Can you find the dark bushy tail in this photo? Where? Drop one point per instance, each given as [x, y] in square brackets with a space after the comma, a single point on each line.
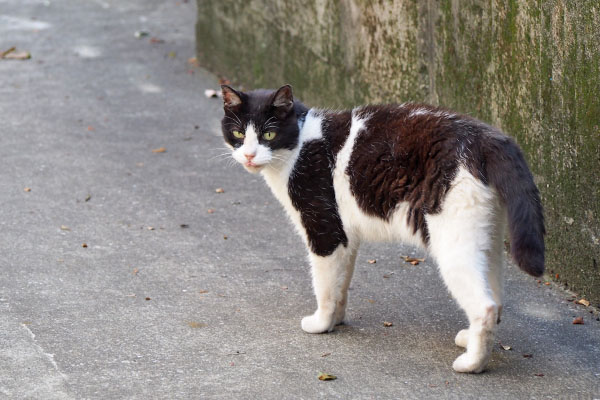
[507, 171]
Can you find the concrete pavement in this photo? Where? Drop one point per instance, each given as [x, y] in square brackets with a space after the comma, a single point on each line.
[169, 300]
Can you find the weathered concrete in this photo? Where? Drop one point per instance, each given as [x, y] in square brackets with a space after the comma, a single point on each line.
[529, 67]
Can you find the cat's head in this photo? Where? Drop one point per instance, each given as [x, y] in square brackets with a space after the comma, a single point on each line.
[260, 126]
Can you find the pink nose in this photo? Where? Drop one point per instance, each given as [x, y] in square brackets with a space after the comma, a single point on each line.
[249, 157]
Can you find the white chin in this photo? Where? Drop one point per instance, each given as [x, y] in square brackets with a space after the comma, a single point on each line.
[253, 169]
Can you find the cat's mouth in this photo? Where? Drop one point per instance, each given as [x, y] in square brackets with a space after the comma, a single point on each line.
[252, 167]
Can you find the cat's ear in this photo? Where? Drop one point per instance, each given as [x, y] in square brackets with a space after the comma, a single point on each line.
[283, 100]
[231, 98]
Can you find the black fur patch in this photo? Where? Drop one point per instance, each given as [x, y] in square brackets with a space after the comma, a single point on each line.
[312, 194]
[400, 158]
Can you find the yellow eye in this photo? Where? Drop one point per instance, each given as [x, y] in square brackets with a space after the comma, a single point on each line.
[269, 135]
[238, 134]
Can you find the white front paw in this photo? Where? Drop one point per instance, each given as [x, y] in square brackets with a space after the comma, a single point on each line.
[469, 363]
[316, 323]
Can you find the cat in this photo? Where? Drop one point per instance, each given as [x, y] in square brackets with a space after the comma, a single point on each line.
[426, 176]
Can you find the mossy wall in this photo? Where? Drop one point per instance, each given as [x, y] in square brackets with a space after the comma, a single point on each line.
[530, 67]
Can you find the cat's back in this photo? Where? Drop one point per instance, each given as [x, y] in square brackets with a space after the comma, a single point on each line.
[389, 154]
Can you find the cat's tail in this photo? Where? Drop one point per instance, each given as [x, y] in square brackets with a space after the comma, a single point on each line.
[507, 171]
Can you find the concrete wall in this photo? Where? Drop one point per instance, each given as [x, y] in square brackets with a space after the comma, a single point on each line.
[531, 67]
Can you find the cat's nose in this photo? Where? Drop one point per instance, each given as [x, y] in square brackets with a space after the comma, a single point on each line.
[249, 157]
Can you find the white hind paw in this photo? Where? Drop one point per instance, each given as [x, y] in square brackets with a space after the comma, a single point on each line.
[462, 338]
[469, 363]
[317, 324]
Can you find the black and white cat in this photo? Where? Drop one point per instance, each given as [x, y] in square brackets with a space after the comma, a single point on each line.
[410, 172]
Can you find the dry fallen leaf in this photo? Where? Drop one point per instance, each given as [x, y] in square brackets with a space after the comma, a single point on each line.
[64, 228]
[325, 354]
[193, 324]
[326, 377]
[578, 321]
[159, 150]
[203, 291]
[147, 298]
[13, 54]
[27, 189]
[371, 261]
[583, 302]
[387, 324]
[225, 237]
[84, 245]
[412, 260]
[150, 228]
[219, 190]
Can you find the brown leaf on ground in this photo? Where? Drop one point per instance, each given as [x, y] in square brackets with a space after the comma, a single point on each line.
[412, 260]
[225, 237]
[159, 150]
[219, 190]
[388, 324]
[84, 245]
[203, 291]
[578, 321]
[326, 377]
[27, 189]
[583, 302]
[13, 54]
[193, 324]
[148, 298]
[372, 261]
[64, 228]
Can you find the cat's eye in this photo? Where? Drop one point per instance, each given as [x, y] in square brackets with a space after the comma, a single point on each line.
[238, 134]
[269, 135]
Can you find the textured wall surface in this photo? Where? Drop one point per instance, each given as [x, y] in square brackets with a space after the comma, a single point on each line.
[530, 67]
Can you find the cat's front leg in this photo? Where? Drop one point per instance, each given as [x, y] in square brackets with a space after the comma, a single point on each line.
[331, 278]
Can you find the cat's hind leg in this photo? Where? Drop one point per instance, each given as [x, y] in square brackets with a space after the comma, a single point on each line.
[461, 241]
[331, 276]
[495, 272]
